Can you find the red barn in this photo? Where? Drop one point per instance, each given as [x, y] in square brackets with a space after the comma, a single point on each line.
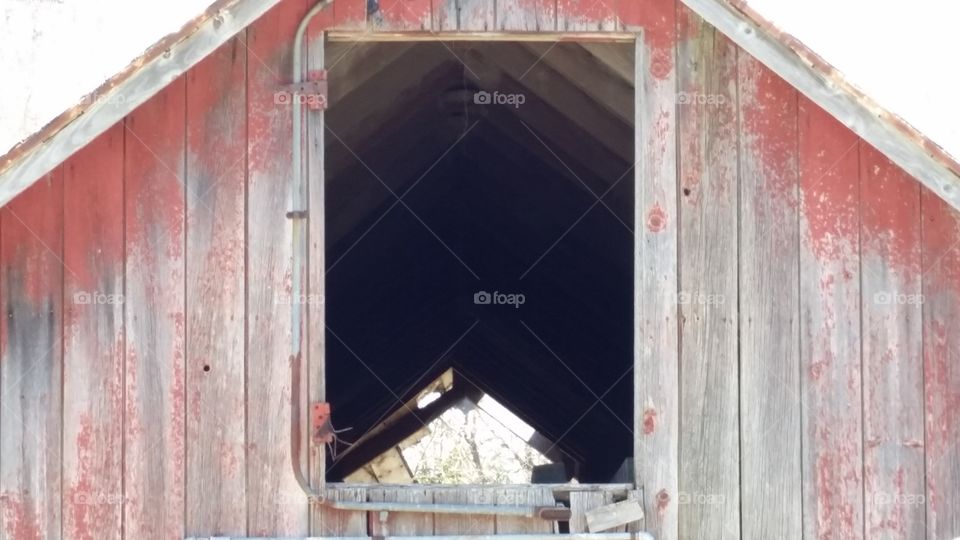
[720, 283]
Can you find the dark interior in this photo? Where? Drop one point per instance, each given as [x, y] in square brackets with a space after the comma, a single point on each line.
[433, 197]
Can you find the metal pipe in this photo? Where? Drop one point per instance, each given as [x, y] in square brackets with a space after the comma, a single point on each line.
[298, 213]
[546, 536]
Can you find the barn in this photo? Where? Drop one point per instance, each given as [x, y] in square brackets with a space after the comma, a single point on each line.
[718, 280]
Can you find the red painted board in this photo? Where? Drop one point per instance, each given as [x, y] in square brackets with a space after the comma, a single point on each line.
[402, 15]
[93, 347]
[216, 153]
[708, 233]
[589, 15]
[891, 301]
[31, 289]
[656, 373]
[276, 505]
[941, 352]
[154, 408]
[770, 401]
[830, 326]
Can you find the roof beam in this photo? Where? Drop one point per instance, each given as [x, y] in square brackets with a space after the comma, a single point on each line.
[820, 82]
[142, 79]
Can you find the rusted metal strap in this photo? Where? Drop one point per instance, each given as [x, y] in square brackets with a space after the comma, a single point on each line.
[321, 427]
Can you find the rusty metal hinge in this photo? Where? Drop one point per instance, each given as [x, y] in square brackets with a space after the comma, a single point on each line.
[313, 92]
[321, 428]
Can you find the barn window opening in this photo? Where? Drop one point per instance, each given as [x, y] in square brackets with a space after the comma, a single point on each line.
[479, 257]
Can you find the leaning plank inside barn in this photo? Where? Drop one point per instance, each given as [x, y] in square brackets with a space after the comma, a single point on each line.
[720, 284]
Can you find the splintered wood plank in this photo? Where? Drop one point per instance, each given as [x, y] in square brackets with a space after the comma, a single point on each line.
[830, 326]
[769, 305]
[527, 15]
[93, 333]
[656, 347]
[709, 394]
[582, 502]
[453, 524]
[465, 15]
[216, 153]
[154, 375]
[588, 16]
[398, 523]
[276, 505]
[31, 288]
[335, 523]
[524, 496]
[891, 301]
[402, 15]
[941, 351]
[618, 515]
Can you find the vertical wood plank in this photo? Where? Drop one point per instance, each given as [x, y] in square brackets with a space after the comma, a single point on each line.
[769, 305]
[941, 351]
[526, 15]
[656, 347]
[154, 374]
[465, 15]
[830, 326]
[348, 15]
[582, 502]
[31, 289]
[276, 505]
[93, 346]
[709, 394]
[589, 16]
[401, 524]
[892, 349]
[215, 216]
[524, 496]
[344, 522]
[447, 524]
[402, 15]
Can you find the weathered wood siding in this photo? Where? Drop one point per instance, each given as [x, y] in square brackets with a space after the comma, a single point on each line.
[798, 307]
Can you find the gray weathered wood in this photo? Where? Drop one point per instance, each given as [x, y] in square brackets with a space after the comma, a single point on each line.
[613, 515]
[524, 496]
[399, 523]
[116, 100]
[582, 502]
[875, 125]
[769, 305]
[656, 374]
[526, 15]
[709, 393]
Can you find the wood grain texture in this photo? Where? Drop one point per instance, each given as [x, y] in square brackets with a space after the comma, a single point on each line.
[709, 393]
[588, 16]
[830, 326]
[526, 15]
[656, 348]
[524, 496]
[154, 447]
[582, 502]
[275, 503]
[941, 352]
[891, 300]
[769, 268]
[343, 522]
[444, 524]
[93, 348]
[215, 288]
[464, 15]
[398, 523]
[31, 289]
[402, 15]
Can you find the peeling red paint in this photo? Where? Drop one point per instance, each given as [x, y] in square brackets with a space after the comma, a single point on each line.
[649, 421]
[656, 219]
[663, 501]
[21, 521]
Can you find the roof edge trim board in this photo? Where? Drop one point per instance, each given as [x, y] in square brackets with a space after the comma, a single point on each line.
[825, 86]
[139, 81]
